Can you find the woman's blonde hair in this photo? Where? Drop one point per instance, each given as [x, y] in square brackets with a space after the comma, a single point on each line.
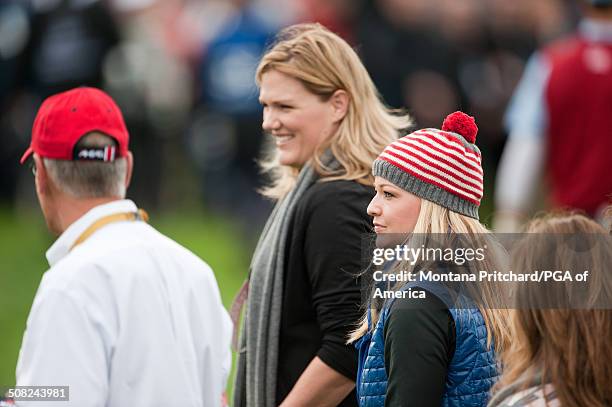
[569, 348]
[436, 220]
[324, 63]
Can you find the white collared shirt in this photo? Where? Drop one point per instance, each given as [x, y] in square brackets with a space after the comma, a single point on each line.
[128, 318]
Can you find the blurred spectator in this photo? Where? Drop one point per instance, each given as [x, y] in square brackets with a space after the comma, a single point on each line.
[337, 15]
[65, 43]
[437, 56]
[491, 41]
[559, 121]
[225, 137]
[407, 58]
[15, 30]
[149, 76]
[68, 43]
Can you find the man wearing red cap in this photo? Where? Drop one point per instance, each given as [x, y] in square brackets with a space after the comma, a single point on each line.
[124, 316]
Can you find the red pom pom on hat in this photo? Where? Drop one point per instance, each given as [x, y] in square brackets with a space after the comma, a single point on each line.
[461, 123]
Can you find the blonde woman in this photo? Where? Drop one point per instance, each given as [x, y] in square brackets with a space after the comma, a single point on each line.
[426, 351]
[561, 357]
[327, 124]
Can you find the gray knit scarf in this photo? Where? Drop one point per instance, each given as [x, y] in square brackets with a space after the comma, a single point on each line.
[255, 383]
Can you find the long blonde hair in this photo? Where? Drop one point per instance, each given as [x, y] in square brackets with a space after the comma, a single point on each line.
[569, 348]
[324, 63]
[435, 219]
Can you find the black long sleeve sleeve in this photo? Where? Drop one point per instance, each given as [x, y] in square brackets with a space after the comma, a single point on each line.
[419, 345]
[333, 253]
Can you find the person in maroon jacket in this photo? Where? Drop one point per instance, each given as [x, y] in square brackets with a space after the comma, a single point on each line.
[559, 120]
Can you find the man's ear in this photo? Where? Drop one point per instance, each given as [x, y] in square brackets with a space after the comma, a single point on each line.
[43, 183]
[130, 166]
[340, 103]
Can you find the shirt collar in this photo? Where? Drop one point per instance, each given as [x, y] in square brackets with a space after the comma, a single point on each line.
[594, 30]
[62, 245]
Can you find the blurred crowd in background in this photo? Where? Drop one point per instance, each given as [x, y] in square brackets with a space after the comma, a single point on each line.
[182, 71]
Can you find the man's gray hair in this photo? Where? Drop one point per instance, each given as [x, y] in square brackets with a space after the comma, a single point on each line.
[89, 179]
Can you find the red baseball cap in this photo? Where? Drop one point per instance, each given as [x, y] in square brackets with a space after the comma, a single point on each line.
[64, 118]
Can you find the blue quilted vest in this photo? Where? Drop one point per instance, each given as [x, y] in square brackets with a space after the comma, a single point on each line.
[472, 372]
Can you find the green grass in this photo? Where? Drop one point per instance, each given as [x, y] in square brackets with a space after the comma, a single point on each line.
[24, 240]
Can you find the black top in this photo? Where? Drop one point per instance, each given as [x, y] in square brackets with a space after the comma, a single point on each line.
[419, 346]
[321, 297]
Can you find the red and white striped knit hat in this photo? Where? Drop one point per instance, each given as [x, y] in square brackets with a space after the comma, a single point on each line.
[442, 166]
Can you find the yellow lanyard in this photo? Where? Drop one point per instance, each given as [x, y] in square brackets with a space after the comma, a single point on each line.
[117, 217]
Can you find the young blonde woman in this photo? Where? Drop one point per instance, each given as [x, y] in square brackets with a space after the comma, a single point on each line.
[327, 123]
[427, 351]
[561, 357]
